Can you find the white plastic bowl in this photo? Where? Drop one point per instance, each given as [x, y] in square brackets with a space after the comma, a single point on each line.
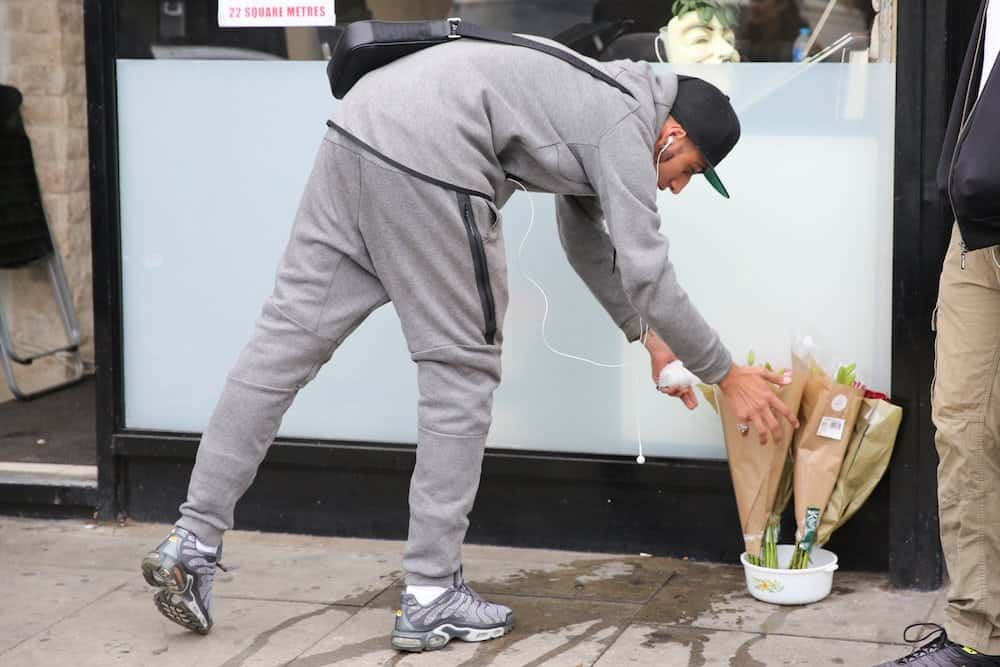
[792, 586]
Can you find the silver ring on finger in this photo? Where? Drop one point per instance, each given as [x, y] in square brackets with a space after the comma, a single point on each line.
[743, 428]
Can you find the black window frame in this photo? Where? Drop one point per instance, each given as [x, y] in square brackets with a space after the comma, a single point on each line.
[677, 507]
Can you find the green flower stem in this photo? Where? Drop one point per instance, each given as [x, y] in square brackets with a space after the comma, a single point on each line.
[800, 559]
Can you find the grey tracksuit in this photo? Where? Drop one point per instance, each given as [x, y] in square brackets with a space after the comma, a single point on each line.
[367, 232]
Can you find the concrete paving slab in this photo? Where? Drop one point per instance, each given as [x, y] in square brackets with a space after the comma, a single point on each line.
[698, 647]
[612, 579]
[35, 597]
[22, 541]
[388, 548]
[75, 543]
[304, 574]
[25, 536]
[571, 607]
[294, 575]
[609, 580]
[262, 566]
[696, 589]
[125, 629]
[57, 542]
[363, 641]
[486, 552]
[145, 531]
[859, 608]
[394, 548]
[546, 632]
[569, 646]
[389, 598]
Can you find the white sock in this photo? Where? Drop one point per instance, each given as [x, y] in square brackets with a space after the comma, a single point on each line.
[204, 548]
[425, 594]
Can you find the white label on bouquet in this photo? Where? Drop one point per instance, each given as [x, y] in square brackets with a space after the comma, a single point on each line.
[831, 427]
[839, 403]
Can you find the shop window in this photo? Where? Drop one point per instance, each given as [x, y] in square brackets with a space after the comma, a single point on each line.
[680, 31]
[214, 154]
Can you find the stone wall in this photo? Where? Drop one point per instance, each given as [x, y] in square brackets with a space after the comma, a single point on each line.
[42, 54]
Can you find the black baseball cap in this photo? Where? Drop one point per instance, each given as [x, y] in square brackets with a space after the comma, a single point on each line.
[709, 119]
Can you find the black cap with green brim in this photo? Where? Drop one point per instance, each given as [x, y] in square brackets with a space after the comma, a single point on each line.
[709, 119]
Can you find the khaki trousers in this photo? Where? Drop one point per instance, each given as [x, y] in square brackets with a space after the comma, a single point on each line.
[966, 413]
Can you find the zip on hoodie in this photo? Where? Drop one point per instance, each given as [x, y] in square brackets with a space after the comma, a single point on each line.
[966, 121]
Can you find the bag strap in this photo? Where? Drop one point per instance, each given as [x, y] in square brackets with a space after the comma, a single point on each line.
[457, 28]
[402, 167]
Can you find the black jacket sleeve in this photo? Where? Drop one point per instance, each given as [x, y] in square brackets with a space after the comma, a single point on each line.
[967, 175]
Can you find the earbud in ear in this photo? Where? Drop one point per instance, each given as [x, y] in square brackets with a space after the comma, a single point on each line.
[670, 140]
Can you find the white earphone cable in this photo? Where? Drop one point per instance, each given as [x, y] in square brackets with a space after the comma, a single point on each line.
[670, 140]
[644, 328]
[545, 298]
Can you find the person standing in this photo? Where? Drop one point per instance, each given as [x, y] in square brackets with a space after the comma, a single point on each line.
[966, 391]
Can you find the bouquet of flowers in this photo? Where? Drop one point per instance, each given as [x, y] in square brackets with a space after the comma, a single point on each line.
[830, 464]
[820, 445]
[757, 472]
[865, 462]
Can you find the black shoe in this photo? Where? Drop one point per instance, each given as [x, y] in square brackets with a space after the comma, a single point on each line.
[183, 569]
[940, 651]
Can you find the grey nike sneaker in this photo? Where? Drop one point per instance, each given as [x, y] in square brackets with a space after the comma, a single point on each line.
[940, 651]
[458, 613]
[184, 569]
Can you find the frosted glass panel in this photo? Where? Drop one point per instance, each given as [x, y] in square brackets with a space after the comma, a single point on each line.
[214, 156]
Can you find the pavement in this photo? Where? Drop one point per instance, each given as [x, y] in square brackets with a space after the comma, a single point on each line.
[71, 595]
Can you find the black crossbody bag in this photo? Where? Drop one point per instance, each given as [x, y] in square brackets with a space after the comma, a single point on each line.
[368, 45]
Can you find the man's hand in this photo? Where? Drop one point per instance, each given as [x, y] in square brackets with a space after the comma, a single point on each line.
[660, 355]
[751, 396]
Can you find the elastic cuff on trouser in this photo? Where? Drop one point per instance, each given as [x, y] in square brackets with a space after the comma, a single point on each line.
[442, 492]
[208, 534]
[420, 580]
[975, 632]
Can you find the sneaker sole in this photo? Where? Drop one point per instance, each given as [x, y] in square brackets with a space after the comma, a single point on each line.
[178, 610]
[174, 600]
[438, 637]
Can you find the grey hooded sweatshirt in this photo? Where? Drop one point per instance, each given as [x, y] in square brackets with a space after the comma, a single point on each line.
[473, 113]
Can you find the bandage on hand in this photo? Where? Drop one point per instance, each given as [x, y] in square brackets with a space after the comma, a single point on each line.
[675, 376]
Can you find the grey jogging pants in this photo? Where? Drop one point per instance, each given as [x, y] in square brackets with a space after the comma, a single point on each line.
[367, 233]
